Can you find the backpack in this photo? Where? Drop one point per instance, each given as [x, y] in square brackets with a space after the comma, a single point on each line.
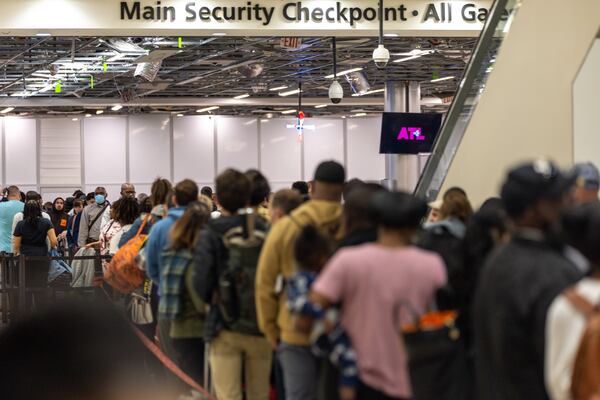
[585, 382]
[123, 272]
[236, 286]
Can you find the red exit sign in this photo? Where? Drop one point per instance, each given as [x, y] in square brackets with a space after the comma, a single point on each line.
[291, 42]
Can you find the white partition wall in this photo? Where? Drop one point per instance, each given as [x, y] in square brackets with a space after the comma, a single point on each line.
[237, 143]
[20, 139]
[364, 160]
[194, 149]
[149, 148]
[323, 140]
[280, 153]
[60, 152]
[110, 150]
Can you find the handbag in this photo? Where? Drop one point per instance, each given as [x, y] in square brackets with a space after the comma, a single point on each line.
[437, 358]
[140, 310]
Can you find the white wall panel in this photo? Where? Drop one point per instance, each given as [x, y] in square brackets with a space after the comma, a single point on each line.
[194, 148]
[104, 150]
[21, 151]
[60, 151]
[280, 152]
[149, 147]
[364, 160]
[323, 140]
[237, 141]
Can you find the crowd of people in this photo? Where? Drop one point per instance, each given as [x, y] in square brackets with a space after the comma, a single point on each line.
[319, 291]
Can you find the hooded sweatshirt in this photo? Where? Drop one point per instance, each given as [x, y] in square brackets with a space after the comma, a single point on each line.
[277, 259]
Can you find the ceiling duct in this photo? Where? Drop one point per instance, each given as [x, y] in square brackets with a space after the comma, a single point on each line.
[123, 46]
[358, 82]
[251, 71]
[148, 71]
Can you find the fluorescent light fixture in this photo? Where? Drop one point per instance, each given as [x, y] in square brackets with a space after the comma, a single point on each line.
[289, 111]
[117, 57]
[407, 59]
[99, 112]
[207, 109]
[117, 107]
[390, 35]
[242, 96]
[447, 78]
[360, 114]
[7, 110]
[179, 115]
[47, 88]
[75, 119]
[346, 72]
[369, 92]
[289, 92]
[321, 106]
[278, 88]
[43, 34]
[343, 117]
[219, 34]
[88, 115]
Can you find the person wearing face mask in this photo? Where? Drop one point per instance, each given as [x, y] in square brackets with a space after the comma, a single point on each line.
[518, 284]
[92, 218]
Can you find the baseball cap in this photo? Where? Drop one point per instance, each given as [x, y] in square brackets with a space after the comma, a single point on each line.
[529, 183]
[587, 175]
[330, 172]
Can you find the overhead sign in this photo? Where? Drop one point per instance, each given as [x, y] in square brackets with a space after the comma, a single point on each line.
[242, 17]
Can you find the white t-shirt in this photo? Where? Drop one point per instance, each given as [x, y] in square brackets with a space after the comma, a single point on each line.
[114, 242]
[564, 328]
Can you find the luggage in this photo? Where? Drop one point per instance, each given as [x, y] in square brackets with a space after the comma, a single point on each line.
[123, 272]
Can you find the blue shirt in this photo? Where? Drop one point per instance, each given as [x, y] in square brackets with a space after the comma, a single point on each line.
[156, 242]
[8, 210]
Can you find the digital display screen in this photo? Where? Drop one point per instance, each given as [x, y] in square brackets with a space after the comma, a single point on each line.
[409, 133]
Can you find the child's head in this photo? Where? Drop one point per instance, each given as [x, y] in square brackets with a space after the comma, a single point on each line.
[312, 250]
[283, 203]
[77, 206]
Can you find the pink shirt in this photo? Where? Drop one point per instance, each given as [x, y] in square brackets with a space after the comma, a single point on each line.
[371, 281]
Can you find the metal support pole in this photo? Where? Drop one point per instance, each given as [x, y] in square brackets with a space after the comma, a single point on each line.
[22, 292]
[395, 101]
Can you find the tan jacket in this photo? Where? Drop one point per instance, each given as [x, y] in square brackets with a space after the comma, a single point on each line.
[277, 258]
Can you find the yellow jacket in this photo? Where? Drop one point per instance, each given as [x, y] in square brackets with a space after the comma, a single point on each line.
[277, 258]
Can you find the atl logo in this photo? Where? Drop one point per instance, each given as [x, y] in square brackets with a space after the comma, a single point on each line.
[411, 134]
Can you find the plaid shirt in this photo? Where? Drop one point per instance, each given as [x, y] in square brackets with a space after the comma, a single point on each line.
[174, 266]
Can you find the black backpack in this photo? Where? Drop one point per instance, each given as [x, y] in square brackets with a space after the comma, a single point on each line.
[236, 288]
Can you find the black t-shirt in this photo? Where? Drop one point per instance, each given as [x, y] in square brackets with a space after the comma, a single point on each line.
[33, 237]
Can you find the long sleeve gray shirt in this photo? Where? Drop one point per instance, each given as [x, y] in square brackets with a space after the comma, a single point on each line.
[85, 230]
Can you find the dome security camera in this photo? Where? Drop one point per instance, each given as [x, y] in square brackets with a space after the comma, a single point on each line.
[336, 93]
[381, 56]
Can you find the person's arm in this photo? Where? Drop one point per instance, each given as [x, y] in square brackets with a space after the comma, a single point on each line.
[267, 299]
[16, 219]
[105, 217]
[206, 258]
[52, 237]
[153, 253]
[330, 286]
[83, 227]
[16, 245]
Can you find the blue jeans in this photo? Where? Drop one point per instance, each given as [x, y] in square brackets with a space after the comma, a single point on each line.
[300, 371]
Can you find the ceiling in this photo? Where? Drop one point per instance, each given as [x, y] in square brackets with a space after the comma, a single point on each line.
[214, 69]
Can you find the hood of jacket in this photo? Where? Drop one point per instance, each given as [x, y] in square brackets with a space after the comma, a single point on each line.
[452, 225]
[327, 215]
[176, 212]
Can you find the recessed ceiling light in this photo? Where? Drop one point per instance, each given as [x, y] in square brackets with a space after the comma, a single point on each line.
[278, 88]
[289, 93]
[360, 114]
[242, 96]
[321, 106]
[7, 110]
[390, 35]
[43, 34]
[343, 117]
[98, 112]
[207, 109]
[288, 111]
[117, 107]
[179, 115]
[219, 34]
[88, 115]
[346, 72]
[75, 119]
[447, 78]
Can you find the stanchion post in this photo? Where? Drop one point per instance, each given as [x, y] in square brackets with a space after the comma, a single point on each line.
[22, 292]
